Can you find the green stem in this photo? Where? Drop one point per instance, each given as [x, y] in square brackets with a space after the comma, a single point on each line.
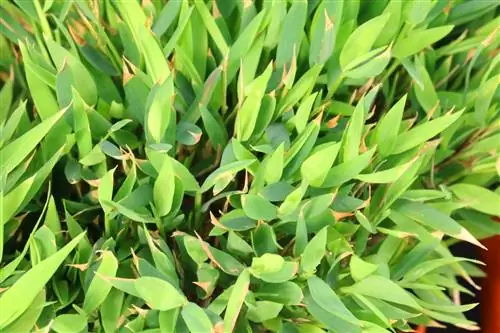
[43, 20]
[197, 216]
[333, 87]
[392, 68]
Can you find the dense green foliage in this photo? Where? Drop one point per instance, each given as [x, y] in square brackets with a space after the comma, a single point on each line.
[239, 165]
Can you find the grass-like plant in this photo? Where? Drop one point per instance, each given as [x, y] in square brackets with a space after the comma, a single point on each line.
[245, 166]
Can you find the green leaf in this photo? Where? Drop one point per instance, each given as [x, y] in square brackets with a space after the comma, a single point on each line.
[237, 220]
[417, 11]
[267, 263]
[264, 310]
[351, 140]
[236, 299]
[286, 273]
[69, 323]
[237, 245]
[164, 188]
[135, 18]
[159, 294]
[425, 91]
[421, 133]
[246, 117]
[362, 39]
[28, 319]
[478, 198]
[417, 40]
[243, 44]
[95, 156]
[291, 33]
[166, 17]
[300, 236]
[303, 112]
[258, 208]
[324, 28]
[168, 320]
[387, 128]
[300, 89]
[12, 123]
[485, 95]
[386, 176]
[19, 296]
[129, 213]
[214, 127]
[225, 171]
[346, 171]
[360, 269]
[393, 8]
[188, 134]
[105, 190]
[369, 65]
[292, 200]
[158, 110]
[227, 263]
[327, 299]
[195, 318]
[437, 220]
[111, 150]
[287, 293]
[20, 148]
[316, 167]
[110, 310]
[82, 80]
[274, 165]
[6, 94]
[211, 26]
[188, 181]
[314, 251]
[13, 200]
[81, 125]
[426, 267]
[384, 289]
[98, 290]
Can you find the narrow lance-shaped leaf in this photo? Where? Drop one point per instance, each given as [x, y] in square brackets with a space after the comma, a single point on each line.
[164, 188]
[478, 198]
[388, 128]
[99, 289]
[314, 251]
[323, 294]
[195, 318]
[421, 133]
[432, 217]
[416, 40]
[362, 39]
[315, 168]
[212, 27]
[6, 97]
[384, 289]
[18, 297]
[352, 137]
[246, 116]
[291, 33]
[28, 319]
[159, 294]
[158, 110]
[18, 149]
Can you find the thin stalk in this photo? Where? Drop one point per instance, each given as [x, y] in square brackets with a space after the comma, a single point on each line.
[333, 87]
[197, 215]
[395, 64]
[44, 23]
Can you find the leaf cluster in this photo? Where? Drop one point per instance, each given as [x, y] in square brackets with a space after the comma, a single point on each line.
[239, 165]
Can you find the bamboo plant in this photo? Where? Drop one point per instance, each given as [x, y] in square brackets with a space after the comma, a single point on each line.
[245, 165]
